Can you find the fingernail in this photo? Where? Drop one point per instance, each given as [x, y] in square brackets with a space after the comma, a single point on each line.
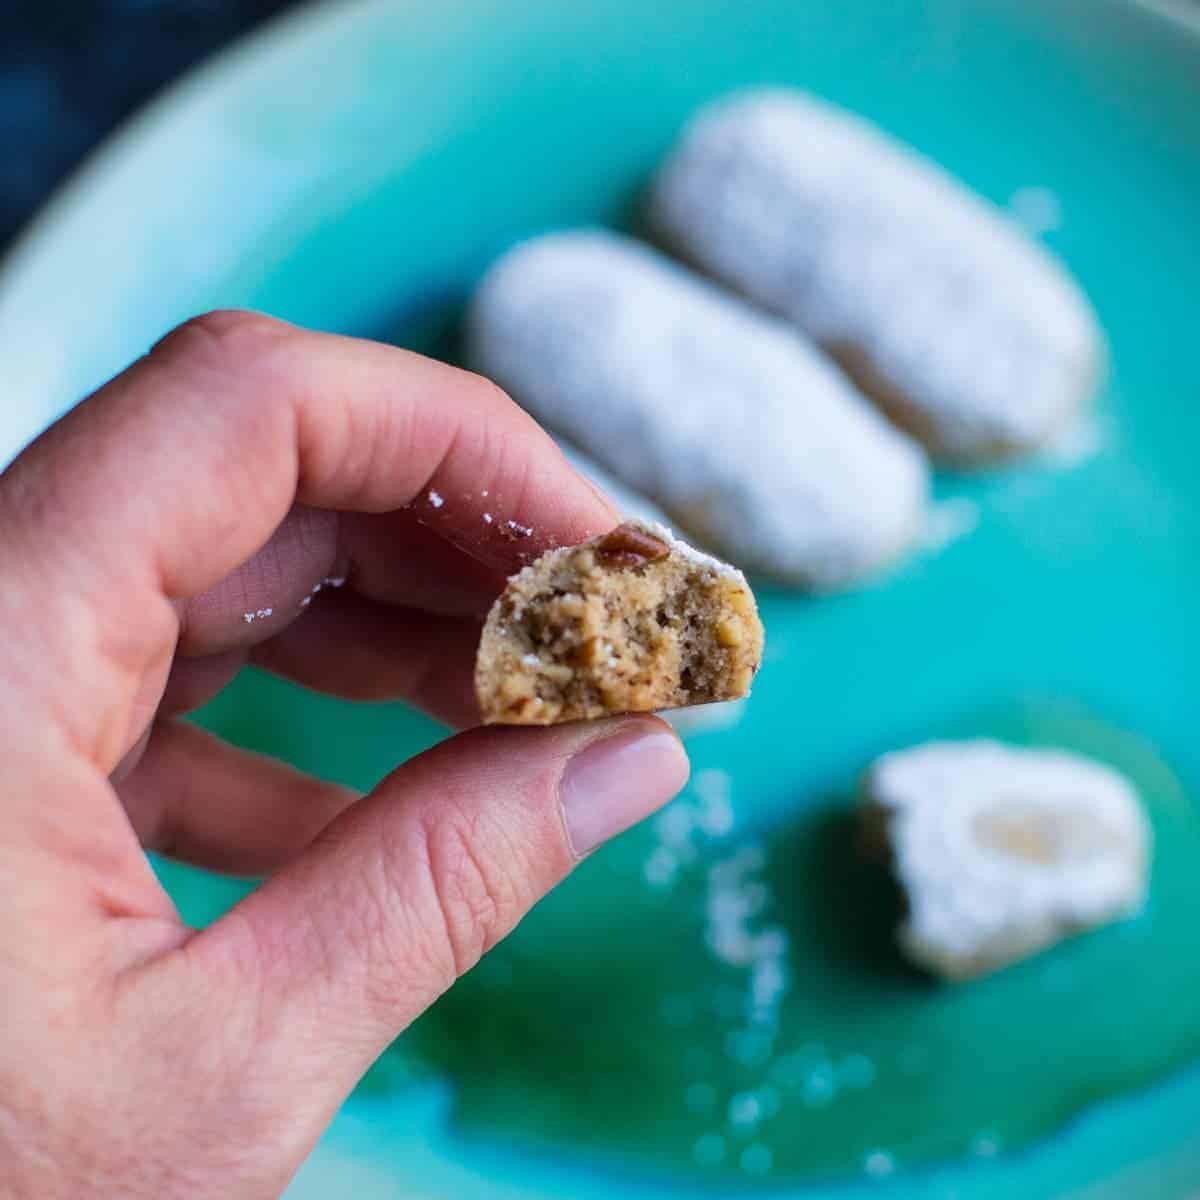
[613, 783]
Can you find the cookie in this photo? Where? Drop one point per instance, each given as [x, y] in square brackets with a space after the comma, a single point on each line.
[632, 621]
[963, 329]
[1002, 851]
[749, 439]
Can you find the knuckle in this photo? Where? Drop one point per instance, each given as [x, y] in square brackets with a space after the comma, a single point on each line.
[224, 340]
[488, 394]
[474, 890]
[406, 957]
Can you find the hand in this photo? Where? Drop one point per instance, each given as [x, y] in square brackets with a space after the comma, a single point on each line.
[170, 529]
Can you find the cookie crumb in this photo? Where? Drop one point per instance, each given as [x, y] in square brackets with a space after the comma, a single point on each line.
[1037, 210]
[985, 1145]
[879, 1164]
[514, 531]
[949, 521]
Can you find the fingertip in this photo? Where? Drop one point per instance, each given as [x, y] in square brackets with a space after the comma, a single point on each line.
[618, 778]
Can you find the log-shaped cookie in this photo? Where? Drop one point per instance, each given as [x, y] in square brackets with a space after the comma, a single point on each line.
[633, 621]
[962, 328]
[1002, 851]
[738, 429]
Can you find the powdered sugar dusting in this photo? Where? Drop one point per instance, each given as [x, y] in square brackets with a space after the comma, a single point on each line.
[862, 243]
[998, 845]
[603, 340]
[706, 718]
[689, 553]
[1077, 443]
[879, 1164]
[1037, 210]
[948, 522]
[735, 901]
[677, 545]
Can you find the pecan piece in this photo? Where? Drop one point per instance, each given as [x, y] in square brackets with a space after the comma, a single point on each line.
[629, 546]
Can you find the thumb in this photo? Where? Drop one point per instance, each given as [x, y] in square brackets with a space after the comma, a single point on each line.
[410, 887]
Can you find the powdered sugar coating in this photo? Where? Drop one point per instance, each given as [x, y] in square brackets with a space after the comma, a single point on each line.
[1003, 850]
[744, 434]
[868, 247]
[678, 547]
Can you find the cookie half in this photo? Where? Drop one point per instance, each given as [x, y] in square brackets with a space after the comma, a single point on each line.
[1002, 851]
[633, 621]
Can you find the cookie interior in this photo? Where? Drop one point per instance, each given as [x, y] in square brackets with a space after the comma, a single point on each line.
[586, 632]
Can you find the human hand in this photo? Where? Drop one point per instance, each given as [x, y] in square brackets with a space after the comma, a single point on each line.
[167, 531]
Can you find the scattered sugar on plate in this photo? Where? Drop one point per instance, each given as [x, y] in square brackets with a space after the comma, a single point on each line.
[1077, 444]
[985, 1144]
[745, 1111]
[949, 521]
[879, 1164]
[1037, 210]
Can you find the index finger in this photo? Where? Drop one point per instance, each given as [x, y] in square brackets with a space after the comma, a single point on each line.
[178, 470]
[234, 416]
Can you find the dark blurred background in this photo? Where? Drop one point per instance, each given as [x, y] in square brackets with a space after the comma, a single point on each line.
[70, 70]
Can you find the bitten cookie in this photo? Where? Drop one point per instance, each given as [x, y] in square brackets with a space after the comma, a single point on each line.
[1002, 851]
[633, 621]
[747, 437]
[964, 330]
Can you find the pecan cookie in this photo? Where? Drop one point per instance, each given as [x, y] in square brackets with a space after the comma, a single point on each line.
[963, 329]
[748, 438]
[1001, 851]
[633, 621]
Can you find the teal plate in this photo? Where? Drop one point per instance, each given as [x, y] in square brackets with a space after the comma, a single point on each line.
[355, 166]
